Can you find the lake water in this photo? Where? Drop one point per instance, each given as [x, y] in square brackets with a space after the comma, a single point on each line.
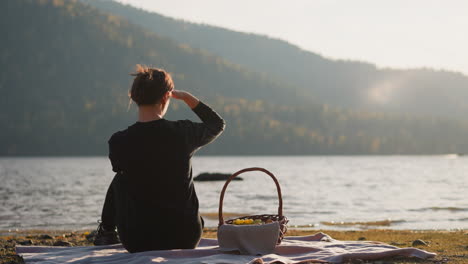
[319, 192]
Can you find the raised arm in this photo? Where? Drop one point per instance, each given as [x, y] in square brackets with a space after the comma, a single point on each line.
[187, 97]
[200, 134]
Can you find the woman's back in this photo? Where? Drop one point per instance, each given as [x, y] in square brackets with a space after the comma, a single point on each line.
[154, 158]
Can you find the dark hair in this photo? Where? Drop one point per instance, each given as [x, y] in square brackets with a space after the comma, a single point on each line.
[150, 85]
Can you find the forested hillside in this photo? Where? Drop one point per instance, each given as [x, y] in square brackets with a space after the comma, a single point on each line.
[65, 76]
[340, 83]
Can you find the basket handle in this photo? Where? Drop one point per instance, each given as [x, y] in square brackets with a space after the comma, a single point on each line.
[221, 199]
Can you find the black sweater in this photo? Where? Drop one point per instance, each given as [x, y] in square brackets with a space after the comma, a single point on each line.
[154, 158]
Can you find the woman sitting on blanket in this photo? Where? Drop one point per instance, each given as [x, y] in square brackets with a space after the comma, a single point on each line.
[151, 200]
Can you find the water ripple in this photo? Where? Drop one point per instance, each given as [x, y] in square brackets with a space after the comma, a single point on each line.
[427, 192]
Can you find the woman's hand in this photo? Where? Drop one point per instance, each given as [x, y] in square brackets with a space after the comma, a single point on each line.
[188, 98]
[179, 95]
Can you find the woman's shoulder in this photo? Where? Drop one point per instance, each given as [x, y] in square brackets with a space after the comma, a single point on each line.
[118, 136]
[170, 126]
[183, 123]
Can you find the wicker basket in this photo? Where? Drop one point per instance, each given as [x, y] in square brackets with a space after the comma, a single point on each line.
[280, 218]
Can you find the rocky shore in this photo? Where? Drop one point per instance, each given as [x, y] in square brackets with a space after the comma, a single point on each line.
[451, 246]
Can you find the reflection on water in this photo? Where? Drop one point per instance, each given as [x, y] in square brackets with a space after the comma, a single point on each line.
[333, 192]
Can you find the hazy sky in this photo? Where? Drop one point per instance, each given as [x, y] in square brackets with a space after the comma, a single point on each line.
[389, 33]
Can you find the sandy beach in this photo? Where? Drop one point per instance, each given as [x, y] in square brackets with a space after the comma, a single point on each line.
[451, 246]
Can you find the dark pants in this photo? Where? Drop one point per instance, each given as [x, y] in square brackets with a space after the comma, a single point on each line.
[143, 228]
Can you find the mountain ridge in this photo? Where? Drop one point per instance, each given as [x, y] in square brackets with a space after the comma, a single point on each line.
[65, 78]
[341, 83]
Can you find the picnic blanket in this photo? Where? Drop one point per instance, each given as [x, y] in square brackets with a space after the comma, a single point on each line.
[318, 248]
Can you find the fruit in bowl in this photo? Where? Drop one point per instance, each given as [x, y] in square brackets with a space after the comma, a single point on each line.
[247, 221]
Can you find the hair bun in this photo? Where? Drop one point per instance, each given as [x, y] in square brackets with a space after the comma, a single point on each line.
[150, 84]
